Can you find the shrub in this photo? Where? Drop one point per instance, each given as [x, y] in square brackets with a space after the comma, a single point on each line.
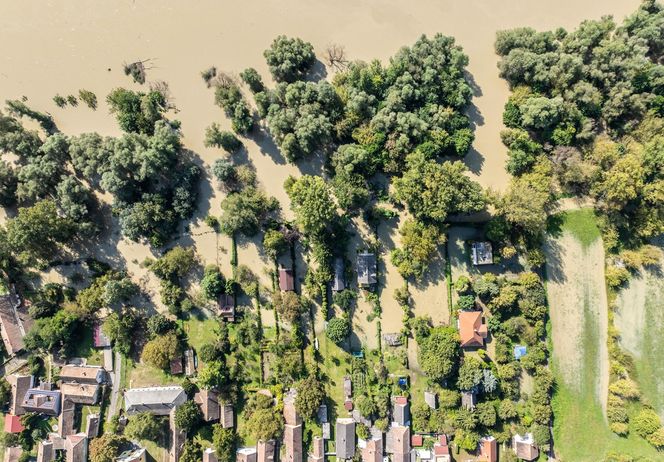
[60, 101]
[466, 302]
[226, 140]
[213, 283]
[338, 329]
[616, 277]
[625, 388]
[619, 428]
[646, 423]
[89, 98]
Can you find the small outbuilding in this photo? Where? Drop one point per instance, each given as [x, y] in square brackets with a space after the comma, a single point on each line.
[482, 253]
[431, 399]
[286, 279]
[226, 307]
[524, 447]
[468, 399]
[520, 351]
[338, 283]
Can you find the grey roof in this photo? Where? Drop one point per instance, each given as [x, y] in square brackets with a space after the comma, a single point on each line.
[345, 438]
[468, 399]
[45, 401]
[366, 269]
[15, 322]
[338, 282]
[401, 414]
[156, 400]
[431, 399]
[20, 385]
[482, 253]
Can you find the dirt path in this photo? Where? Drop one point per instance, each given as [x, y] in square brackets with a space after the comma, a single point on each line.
[115, 390]
[579, 313]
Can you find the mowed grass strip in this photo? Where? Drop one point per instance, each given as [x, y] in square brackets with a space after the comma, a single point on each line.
[580, 430]
[649, 364]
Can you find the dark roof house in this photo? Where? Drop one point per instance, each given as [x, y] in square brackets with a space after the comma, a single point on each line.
[208, 400]
[20, 385]
[15, 322]
[345, 438]
[366, 269]
[43, 401]
[401, 411]
[338, 283]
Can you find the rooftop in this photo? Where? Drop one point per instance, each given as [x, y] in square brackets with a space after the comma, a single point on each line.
[15, 322]
[472, 330]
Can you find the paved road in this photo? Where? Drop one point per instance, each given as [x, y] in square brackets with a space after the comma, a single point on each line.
[115, 380]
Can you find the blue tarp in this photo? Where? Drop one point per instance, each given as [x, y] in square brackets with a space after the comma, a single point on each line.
[519, 351]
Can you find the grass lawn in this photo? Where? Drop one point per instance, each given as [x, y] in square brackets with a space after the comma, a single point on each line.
[85, 348]
[581, 432]
[200, 329]
[336, 364]
[144, 375]
[581, 223]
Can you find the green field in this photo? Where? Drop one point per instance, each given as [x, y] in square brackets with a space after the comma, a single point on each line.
[581, 432]
[648, 357]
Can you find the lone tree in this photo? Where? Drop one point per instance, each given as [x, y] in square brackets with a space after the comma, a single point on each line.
[188, 416]
[310, 395]
[439, 353]
[338, 329]
[289, 58]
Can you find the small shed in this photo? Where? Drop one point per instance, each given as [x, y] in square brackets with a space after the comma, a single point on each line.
[226, 307]
[176, 366]
[431, 399]
[99, 339]
[520, 351]
[366, 269]
[286, 279]
[348, 387]
[322, 413]
[393, 339]
[338, 284]
[326, 427]
[469, 399]
[189, 364]
[482, 253]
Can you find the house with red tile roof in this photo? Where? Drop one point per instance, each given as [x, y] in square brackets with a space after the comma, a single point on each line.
[488, 449]
[13, 424]
[472, 329]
